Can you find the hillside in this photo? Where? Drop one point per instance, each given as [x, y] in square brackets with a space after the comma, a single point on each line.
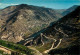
[9, 48]
[60, 11]
[67, 11]
[41, 29]
[59, 37]
[20, 21]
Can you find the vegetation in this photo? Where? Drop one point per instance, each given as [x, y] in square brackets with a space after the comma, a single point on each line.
[16, 47]
[43, 48]
[36, 29]
[2, 53]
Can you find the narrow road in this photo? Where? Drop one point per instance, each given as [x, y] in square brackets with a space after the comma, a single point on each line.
[46, 51]
[36, 51]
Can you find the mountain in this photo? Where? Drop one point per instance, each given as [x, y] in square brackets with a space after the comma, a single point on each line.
[60, 11]
[20, 21]
[71, 27]
[61, 37]
[67, 11]
[21, 24]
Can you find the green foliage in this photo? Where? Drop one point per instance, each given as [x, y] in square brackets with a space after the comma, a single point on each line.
[1, 53]
[16, 47]
[43, 48]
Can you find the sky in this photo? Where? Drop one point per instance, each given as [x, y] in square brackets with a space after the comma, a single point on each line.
[54, 4]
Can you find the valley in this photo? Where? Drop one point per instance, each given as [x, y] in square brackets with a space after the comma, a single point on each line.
[32, 30]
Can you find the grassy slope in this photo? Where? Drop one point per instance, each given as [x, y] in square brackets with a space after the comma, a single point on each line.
[16, 47]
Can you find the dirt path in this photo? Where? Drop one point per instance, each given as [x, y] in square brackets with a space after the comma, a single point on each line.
[52, 46]
[36, 51]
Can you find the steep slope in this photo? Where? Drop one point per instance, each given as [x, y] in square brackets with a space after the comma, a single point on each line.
[20, 21]
[67, 11]
[63, 34]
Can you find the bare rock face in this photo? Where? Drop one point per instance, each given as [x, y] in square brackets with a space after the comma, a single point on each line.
[60, 36]
[20, 21]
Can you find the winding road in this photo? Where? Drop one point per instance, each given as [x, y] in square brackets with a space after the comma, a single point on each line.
[46, 51]
[36, 51]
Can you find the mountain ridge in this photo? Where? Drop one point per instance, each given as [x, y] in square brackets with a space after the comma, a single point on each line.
[69, 10]
[20, 21]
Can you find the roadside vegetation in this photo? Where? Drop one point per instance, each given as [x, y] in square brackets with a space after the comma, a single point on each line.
[16, 47]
